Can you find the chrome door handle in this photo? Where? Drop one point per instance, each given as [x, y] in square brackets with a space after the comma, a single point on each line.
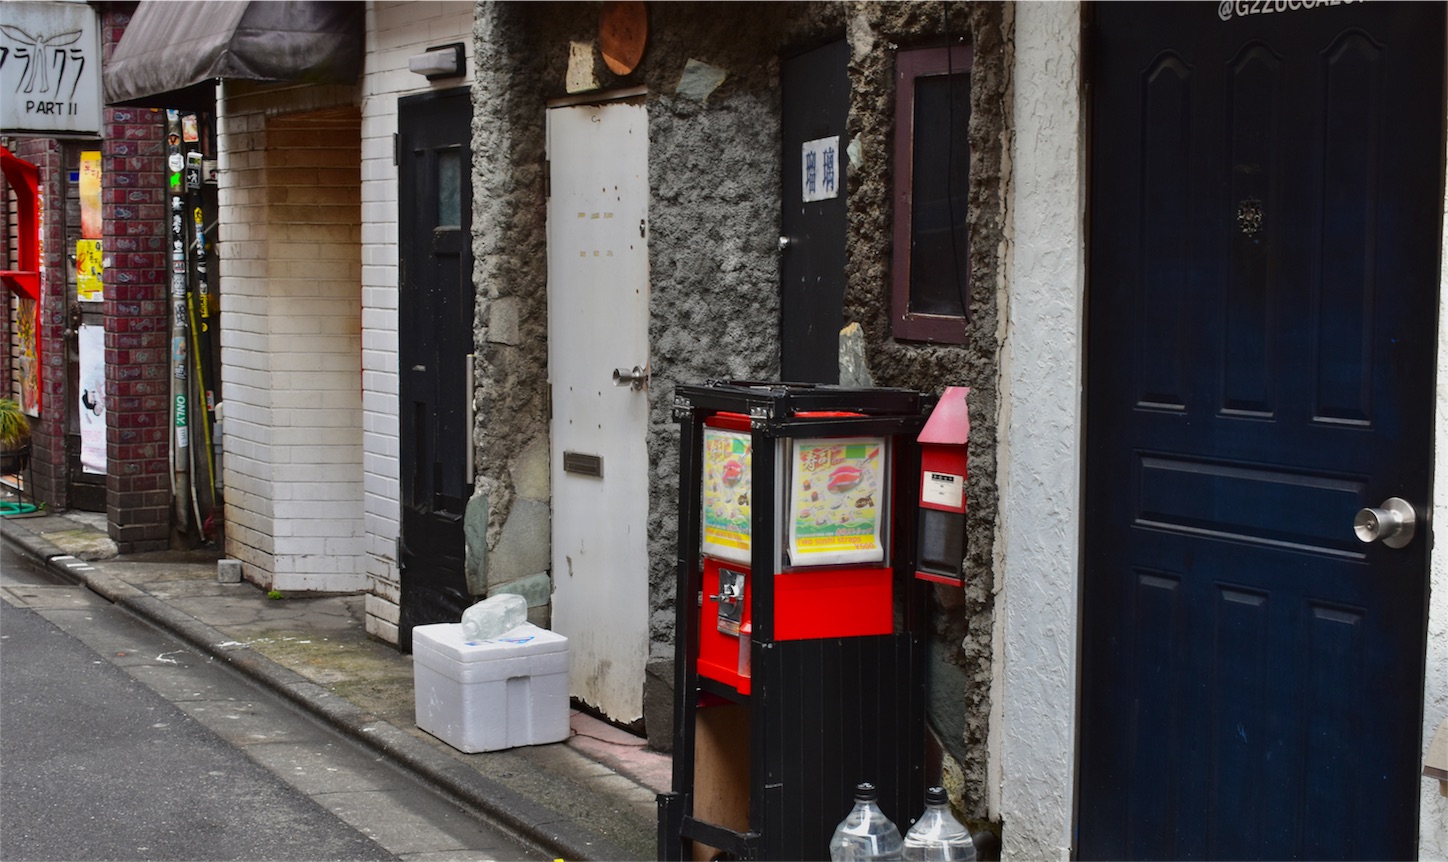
[1392, 524]
[634, 379]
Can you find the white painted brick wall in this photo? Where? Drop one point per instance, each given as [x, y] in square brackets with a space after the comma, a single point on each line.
[291, 270]
[395, 30]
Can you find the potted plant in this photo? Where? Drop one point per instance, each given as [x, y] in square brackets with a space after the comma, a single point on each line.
[14, 437]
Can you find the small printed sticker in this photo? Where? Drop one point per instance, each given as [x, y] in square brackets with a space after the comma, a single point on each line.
[943, 489]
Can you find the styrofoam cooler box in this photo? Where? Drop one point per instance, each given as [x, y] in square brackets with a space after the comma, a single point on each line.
[492, 694]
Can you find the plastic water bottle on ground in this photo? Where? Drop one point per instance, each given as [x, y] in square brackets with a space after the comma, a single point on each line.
[865, 833]
[937, 836]
[494, 616]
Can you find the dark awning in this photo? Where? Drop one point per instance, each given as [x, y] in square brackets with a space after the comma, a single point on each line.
[172, 53]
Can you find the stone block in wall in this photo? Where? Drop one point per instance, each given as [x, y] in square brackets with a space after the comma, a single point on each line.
[529, 471]
[699, 80]
[524, 548]
[475, 541]
[583, 66]
[854, 366]
[659, 703]
[537, 589]
[503, 320]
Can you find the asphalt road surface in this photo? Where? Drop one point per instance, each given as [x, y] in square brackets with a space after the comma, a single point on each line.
[117, 741]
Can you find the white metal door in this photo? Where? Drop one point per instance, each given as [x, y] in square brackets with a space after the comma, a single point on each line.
[598, 298]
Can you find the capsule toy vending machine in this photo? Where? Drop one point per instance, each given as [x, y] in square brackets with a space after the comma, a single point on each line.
[833, 578]
[799, 658]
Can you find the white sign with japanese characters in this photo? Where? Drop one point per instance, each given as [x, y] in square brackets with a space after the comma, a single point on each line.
[821, 169]
[50, 69]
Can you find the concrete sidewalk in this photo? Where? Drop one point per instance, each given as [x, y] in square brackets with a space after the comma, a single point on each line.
[590, 797]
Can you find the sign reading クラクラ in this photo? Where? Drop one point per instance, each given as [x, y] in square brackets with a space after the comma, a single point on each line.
[50, 69]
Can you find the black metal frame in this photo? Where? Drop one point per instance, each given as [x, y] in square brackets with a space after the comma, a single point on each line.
[827, 713]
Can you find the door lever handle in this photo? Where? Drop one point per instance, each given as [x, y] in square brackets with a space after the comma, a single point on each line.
[1393, 523]
[634, 379]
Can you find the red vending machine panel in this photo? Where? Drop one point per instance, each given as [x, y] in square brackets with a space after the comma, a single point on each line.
[834, 577]
[725, 623]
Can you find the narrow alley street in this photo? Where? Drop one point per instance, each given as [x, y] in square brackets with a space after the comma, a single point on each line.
[122, 743]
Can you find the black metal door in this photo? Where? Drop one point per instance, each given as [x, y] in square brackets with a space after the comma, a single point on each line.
[816, 98]
[435, 344]
[1267, 184]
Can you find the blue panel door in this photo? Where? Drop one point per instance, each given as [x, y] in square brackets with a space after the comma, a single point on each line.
[1266, 199]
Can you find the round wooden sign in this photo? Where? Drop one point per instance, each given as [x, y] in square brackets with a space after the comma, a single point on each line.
[623, 30]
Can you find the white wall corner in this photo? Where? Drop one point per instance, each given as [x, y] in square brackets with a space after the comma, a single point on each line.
[1034, 692]
[1433, 806]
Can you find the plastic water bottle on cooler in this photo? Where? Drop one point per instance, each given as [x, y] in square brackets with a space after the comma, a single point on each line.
[494, 616]
[937, 836]
[865, 833]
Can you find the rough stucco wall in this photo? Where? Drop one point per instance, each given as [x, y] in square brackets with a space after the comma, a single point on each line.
[1040, 441]
[1433, 810]
[510, 272]
[714, 169]
[712, 240]
[715, 279]
[962, 621]
[714, 305]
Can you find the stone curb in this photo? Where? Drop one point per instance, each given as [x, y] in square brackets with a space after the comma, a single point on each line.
[549, 829]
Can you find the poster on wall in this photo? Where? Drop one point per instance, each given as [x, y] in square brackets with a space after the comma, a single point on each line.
[88, 266]
[835, 512]
[27, 315]
[90, 194]
[726, 494]
[92, 406]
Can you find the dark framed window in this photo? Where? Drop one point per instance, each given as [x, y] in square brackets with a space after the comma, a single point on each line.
[931, 261]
